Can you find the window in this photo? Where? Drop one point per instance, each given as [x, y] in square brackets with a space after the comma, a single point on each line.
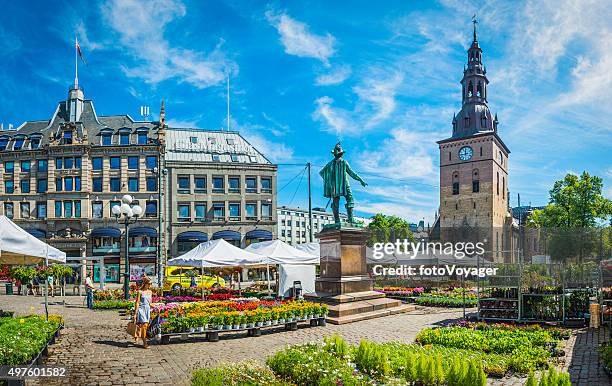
[234, 157]
[25, 166]
[475, 186]
[266, 185]
[96, 163]
[283, 222]
[133, 163]
[455, 188]
[59, 163]
[96, 209]
[3, 143]
[68, 163]
[215, 157]
[151, 184]
[9, 186]
[77, 162]
[193, 139]
[107, 138]
[151, 162]
[68, 137]
[41, 210]
[200, 211]
[24, 185]
[183, 212]
[503, 188]
[58, 209]
[251, 211]
[115, 184]
[283, 233]
[234, 211]
[142, 137]
[24, 209]
[266, 211]
[34, 143]
[200, 184]
[77, 184]
[8, 209]
[9, 166]
[218, 185]
[498, 183]
[133, 184]
[68, 209]
[230, 141]
[124, 138]
[58, 184]
[113, 204]
[77, 209]
[218, 211]
[253, 159]
[18, 143]
[183, 184]
[251, 184]
[42, 165]
[234, 184]
[96, 184]
[41, 185]
[115, 163]
[68, 184]
[151, 209]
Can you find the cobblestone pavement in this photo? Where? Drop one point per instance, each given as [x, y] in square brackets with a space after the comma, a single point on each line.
[95, 349]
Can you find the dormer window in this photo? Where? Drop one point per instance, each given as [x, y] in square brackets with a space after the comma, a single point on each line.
[124, 137]
[234, 157]
[3, 143]
[107, 137]
[230, 141]
[18, 145]
[34, 143]
[143, 136]
[483, 119]
[212, 140]
[67, 137]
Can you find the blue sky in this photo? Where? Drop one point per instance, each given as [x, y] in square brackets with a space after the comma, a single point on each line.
[381, 77]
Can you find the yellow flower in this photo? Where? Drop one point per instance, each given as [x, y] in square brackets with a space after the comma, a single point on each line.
[21, 321]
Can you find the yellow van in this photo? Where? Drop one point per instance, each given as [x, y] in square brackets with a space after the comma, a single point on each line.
[179, 277]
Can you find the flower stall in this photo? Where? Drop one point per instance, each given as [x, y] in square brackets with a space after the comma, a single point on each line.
[241, 314]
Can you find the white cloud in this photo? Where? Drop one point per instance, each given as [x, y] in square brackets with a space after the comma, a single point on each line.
[393, 208]
[299, 41]
[140, 27]
[375, 103]
[334, 77]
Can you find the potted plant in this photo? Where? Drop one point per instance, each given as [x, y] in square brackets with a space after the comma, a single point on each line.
[242, 319]
[275, 316]
[281, 316]
[258, 320]
[228, 321]
[250, 319]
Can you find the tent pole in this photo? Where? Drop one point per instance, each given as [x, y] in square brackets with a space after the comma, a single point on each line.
[202, 279]
[268, 277]
[47, 288]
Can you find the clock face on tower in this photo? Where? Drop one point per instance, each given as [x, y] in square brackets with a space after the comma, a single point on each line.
[465, 153]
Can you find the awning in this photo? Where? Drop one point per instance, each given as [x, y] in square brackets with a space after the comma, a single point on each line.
[260, 234]
[143, 231]
[106, 232]
[226, 235]
[38, 233]
[192, 236]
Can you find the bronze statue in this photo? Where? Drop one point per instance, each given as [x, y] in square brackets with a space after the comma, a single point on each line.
[336, 183]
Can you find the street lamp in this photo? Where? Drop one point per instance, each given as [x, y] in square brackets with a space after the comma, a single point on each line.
[126, 214]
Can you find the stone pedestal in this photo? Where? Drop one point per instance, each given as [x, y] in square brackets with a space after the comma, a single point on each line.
[344, 284]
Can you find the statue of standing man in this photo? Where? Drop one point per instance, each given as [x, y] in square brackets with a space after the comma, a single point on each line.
[336, 183]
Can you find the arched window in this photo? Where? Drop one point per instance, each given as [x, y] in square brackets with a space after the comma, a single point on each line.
[498, 183]
[470, 89]
[483, 120]
[455, 183]
[475, 181]
[479, 89]
[503, 188]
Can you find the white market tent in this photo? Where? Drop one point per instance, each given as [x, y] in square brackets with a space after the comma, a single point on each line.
[17, 246]
[279, 252]
[217, 253]
[310, 248]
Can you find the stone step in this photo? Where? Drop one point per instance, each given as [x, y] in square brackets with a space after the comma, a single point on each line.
[371, 315]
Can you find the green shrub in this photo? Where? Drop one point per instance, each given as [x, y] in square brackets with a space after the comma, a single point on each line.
[21, 339]
[245, 373]
[113, 305]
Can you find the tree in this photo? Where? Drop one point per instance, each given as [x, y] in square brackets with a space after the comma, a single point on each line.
[385, 228]
[571, 221]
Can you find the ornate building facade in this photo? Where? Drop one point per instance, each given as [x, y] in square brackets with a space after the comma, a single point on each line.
[474, 197]
[62, 176]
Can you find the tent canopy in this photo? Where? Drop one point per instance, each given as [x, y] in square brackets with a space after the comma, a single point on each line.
[19, 247]
[279, 252]
[217, 253]
[310, 248]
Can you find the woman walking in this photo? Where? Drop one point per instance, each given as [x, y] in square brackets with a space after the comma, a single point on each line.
[143, 309]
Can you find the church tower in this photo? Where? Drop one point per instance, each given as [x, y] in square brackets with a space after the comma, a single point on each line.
[474, 168]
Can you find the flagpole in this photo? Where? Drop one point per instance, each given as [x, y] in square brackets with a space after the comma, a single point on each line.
[76, 64]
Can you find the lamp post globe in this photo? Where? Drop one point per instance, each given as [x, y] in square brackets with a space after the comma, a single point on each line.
[127, 199]
[125, 208]
[116, 209]
[136, 210]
